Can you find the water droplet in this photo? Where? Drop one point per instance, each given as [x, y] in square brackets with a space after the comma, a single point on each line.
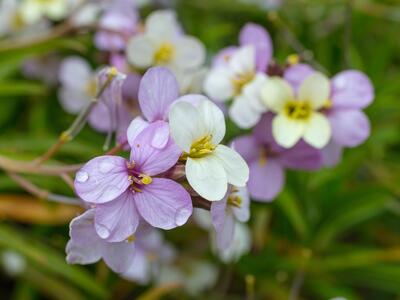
[182, 215]
[105, 167]
[102, 231]
[82, 176]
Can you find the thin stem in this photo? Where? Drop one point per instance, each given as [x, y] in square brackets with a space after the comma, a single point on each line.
[305, 54]
[296, 285]
[347, 34]
[41, 193]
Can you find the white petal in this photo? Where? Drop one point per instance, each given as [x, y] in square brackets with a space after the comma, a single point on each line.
[236, 168]
[185, 124]
[213, 121]
[275, 93]
[207, 177]
[242, 113]
[75, 72]
[140, 51]
[218, 84]
[315, 89]
[73, 101]
[318, 131]
[162, 25]
[242, 61]
[287, 132]
[241, 244]
[190, 53]
[252, 91]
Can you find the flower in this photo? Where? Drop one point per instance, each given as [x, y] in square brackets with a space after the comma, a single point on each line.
[33, 10]
[210, 166]
[124, 191]
[298, 115]
[267, 160]
[163, 44]
[239, 73]
[240, 245]
[86, 247]
[80, 85]
[351, 91]
[233, 208]
[117, 24]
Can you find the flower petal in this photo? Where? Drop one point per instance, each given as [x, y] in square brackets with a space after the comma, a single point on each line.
[140, 269]
[207, 177]
[317, 132]
[296, 74]
[85, 246]
[301, 157]
[266, 180]
[102, 179]
[153, 150]
[247, 146]
[75, 72]
[158, 89]
[256, 35]
[223, 222]
[140, 51]
[287, 132]
[351, 89]
[162, 25]
[218, 84]
[332, 153]
[135, 128]
[275, 93]
[242, 213]
[164, 203]
[350, 127]
[235, 166]
[72, 100]
[117, 220]
[243, 61]
[213, 121]
[119, 256]
[190, 53]
[315, 89]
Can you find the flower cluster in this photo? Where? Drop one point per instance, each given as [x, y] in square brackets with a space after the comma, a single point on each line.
[168, 110]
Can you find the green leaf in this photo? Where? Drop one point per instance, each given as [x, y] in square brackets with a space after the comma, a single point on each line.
[18, 88]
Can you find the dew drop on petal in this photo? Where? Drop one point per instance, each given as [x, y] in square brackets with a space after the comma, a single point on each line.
[181, 216]
[82, 176]
[102, 231]
[105, 167]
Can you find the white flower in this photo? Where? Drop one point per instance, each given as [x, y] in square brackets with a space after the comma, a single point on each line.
[34, 10]
[198, 130]
[238, 79]
[163, 43]
[298, 116]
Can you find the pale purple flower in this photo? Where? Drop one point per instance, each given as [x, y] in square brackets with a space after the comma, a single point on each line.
[86, 247]
[125, 191]
[118, 24]
[234, 207]
[238, 73]
[351, 91]
[267, 160]
[151, 251]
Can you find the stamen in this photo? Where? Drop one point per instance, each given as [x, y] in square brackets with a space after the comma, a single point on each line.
[200, 148]
[234, 200]
[241, 81]
[262, 159]
[327, 104]
[293, 59]
[131, 239]
[164, 53]
[298, 110]
[145, 179]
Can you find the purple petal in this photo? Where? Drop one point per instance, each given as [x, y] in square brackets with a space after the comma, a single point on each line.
[117, 220]
[266, 180]
[332, 153]
[102, 179]
[100, 118]
[263, 132]
[158, 89]
[247, 146]
[130, 88]
[302, 157]
[351, 89]
[154, 151]
[350, 127]
[224, 223]
[242, 213]
[140, 269]
[164, 204]
[256, 35]
[119, 256]
[296, 74]
[85, 246]
[136, 126]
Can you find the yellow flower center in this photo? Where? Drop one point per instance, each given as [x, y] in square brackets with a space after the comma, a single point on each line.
[131, 239]
[201, 147]
[298, 110]
[145, 179]
[164, 53]
[234, 200]
[240, 81]
[293, 59]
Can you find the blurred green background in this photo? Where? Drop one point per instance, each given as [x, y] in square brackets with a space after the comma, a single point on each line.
[333, 233]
